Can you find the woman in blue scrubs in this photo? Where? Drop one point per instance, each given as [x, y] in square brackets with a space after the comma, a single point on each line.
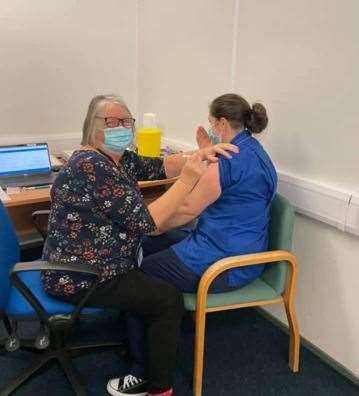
[232, 203]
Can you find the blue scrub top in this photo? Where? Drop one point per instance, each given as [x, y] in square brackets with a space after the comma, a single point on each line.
[237, 223]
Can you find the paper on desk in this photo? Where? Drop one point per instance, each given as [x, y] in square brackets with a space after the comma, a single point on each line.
[13, 190]
[3, 196]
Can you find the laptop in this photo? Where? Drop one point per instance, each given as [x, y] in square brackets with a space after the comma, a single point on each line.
[24, 165]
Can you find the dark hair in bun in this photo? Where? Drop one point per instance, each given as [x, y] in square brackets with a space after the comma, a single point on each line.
[258, 119]
[237, 111]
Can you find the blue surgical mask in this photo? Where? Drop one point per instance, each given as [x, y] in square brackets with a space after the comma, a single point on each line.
[214, 138]
[118, 139]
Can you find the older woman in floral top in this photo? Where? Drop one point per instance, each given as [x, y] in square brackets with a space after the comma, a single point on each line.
[98, 217]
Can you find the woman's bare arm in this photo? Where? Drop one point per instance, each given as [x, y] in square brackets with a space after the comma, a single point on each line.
[174, 163]
[206, 191]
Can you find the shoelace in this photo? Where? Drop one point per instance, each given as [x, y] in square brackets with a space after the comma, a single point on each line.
[130, 380]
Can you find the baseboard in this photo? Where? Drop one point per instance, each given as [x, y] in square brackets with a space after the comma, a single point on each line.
[322, 202]
[313, 348]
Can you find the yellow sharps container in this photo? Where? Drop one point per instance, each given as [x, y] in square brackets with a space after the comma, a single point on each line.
[149, 137]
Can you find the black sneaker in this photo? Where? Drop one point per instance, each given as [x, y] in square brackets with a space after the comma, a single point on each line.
[128, 385]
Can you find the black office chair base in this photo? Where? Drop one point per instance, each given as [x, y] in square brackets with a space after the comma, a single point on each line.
[63, 356]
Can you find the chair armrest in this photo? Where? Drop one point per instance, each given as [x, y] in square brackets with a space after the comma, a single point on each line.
[44, 212]
[269, 257]
[39, 225]
[45, 265]
[42, 266]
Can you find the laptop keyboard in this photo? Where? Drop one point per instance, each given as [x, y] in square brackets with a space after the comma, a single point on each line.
[30, 180]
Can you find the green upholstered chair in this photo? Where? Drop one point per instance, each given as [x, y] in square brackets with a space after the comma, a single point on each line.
[276, 285]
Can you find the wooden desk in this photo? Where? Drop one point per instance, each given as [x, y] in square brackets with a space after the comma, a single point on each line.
[23, 204]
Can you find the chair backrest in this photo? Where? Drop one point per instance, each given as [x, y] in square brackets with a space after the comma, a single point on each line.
[9, 253]
[280, 238]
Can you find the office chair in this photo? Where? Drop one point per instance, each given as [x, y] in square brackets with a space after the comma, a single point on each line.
[22, 297]
[40, 219]
[277, 284]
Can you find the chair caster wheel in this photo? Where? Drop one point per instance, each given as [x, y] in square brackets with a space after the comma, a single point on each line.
[12, 343]
[42, 341]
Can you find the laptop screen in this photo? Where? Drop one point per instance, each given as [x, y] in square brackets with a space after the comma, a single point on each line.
[24, 159]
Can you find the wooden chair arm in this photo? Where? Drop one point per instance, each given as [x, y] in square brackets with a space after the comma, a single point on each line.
[269, 257]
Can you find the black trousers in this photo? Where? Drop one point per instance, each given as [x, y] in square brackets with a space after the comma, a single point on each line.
[162, 263]
[160, 306]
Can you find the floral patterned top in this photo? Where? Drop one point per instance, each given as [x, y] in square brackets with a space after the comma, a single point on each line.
[98, 216]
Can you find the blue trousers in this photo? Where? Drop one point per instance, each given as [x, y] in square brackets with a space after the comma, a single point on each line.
[161, 262]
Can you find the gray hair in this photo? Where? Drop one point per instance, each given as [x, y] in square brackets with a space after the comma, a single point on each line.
[96, 105]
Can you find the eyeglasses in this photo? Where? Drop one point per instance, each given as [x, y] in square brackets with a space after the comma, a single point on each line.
[114, 122]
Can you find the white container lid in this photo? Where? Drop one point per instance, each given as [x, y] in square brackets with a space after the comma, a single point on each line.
[149, 120]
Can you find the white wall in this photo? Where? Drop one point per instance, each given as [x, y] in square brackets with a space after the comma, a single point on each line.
[185, 50]
[328, 290]
[56, 55]
[302, 59]
[299, 58]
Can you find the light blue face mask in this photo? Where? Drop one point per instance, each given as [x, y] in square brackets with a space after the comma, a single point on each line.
[118, 139]
[214, 138]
